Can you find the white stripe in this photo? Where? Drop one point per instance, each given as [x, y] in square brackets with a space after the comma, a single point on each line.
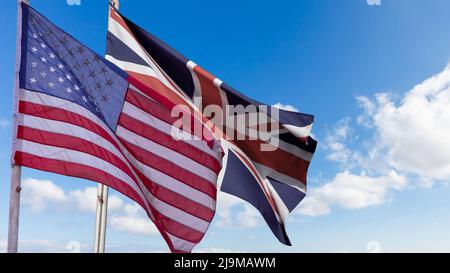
[166, 128]
[262, 181]
[184, 136]
[72, 156]
[254, 124]
[283, 211]
[185, 218]
[178, 159]
[217, 82]
[43, 99]
[132, 87]
[180, 244]
[133, 67]
[59, 127]
[177, 215]
[197, 87]
[297, 151]
[180, 216]
[173, 184]
[223, 96]
[266, 171]
[299, 131]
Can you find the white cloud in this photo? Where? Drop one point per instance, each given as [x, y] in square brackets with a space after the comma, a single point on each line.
[351, 191]
[38, 193]
[373, 2]
[133, 221]
[311, 206]
[286, 107]
[409, 141]
[226, 201]
[413, 135]
[369, 108]
[4, 123]
[86, 200]
[374, 247]
[232, 212]
[359, 191]
[133, 224]
[335, 142]
[74, 2]
[248, 218]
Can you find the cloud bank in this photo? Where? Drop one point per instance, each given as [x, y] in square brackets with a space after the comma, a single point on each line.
[409, 142]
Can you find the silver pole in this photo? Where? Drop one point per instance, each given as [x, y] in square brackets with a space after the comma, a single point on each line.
[16, 171]
[14, 210]
[100, 221]
[103, 219]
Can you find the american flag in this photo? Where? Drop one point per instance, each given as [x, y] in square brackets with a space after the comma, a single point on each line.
[79, 115]
[272, 181]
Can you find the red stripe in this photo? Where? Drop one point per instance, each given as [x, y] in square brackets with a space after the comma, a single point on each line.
[177, 229]
[171, 169]
[116, 17]
[176, 171]
[188, 114]
[176, 200]
[279, 160]
[151, 107]
[210, 93]
[155, 84]
[72, 143]
[259, 179]
[76, 170]
[145, 82]
[165, 140]
[190, 124]
[53, 113]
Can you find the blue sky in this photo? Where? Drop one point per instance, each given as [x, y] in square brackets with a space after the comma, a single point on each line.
[374, 74]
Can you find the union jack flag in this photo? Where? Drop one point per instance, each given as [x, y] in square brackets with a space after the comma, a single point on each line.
[274, 181]
[79, 115]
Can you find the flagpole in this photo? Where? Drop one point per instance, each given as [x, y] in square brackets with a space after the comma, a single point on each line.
[14, 209]
[102, 204]
[16, 171]
[101, 217]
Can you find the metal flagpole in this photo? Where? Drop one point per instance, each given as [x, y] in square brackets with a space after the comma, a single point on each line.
[100, 221]
[16, 171]
[102, 205]
[14, 209]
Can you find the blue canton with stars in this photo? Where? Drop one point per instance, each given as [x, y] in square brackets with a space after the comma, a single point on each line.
[56, 64]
